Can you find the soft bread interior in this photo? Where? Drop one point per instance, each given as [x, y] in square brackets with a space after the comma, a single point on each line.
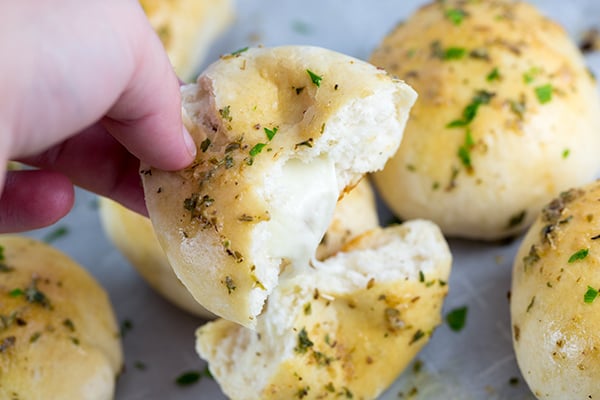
[275, 153]
[321, 328]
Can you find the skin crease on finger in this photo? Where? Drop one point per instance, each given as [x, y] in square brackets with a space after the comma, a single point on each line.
[76, 63]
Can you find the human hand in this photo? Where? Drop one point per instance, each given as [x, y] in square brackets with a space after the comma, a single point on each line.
[87, 92]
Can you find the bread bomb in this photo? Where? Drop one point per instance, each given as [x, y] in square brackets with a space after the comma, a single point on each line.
[554, 304]
[187, 28]
[58, 334]
[134, 236]
[508, 115]
[281, 134]
[344, 329]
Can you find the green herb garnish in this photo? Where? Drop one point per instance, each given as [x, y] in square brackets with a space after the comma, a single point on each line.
[240, 51]
[456, 318]
[530, 75]
[126, 326]
[1, 253]
[316, 79]
[454, 53]
[544, 93]
[516, 219]
[456, 15]
[494, 75]
[304, 343]
[254, 151]
[204, 145]
[470, 111]
[566, 153]
[271, 132]
[578, 255]
[419, 334]
[16, 292]
[56, 234]
[188, 378]
[464, 151]
[34, 295]
[139, 365]
[590, 295]
[226, 113]
[229, 284]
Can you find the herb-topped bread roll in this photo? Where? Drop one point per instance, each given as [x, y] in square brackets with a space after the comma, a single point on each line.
[554, 305]
[344, 329]
[134, 236]
[508, 115]
[58, 335]
[281, 134]
[187, 27]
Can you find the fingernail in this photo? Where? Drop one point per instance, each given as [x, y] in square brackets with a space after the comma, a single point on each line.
[189, 142]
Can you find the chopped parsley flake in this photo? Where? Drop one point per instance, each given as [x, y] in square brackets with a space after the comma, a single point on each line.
[34, 295]
[139, 365]
[316, 79]
[16, 292]
[464, 151]
[254, 151]
[517, 219]
[301, 27]
[530, 75]
[226, 113]
[419, 334]
[544, 93]
[421, 276]
[470, 111]
[271, 132]
[126, 326]
[454, 53]
[34, 337]
[494, 75]
[590, 295]
[56, 234]
[188, 378]
[578, 255]
[1, 253]
[240, 51]
[204, 145]
[566, 153]
[304, 343]
[456, 15]
[456, 318]
[229, 284]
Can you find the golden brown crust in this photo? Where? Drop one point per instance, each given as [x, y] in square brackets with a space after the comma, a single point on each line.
[507, 116]
[555, 326]
[58, 335]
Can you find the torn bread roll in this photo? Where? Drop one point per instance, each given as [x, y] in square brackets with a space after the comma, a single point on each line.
[281, 134]
[58, 334]
[187, 28]
[344, 329]
[134, 236]
[508, 115]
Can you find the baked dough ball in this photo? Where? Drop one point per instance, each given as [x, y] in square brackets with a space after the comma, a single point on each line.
[281, 134]
[134, 236]
[187, 28]
[508, 115]
[344, 329]
[355, 213]
[554, 306]
[58, 335]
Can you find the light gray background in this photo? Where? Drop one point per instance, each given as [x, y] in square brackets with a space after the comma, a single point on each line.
[476, 363]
